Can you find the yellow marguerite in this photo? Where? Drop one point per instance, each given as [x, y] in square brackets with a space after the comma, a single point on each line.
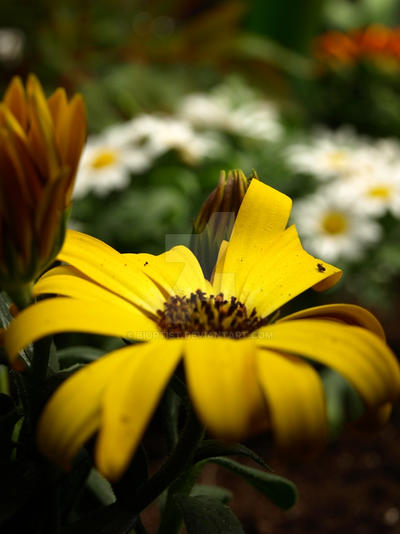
[242, 372]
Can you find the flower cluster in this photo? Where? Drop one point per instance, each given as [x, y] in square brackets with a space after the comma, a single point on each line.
[195, 133]
[359, 183]
[376, 43]
[235, 109]
[133, 147]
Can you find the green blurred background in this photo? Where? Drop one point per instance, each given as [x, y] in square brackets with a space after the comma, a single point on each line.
[130, 58]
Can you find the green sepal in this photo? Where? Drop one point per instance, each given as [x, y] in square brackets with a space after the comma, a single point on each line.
[280, 491]
[211, 448]
[205, 515]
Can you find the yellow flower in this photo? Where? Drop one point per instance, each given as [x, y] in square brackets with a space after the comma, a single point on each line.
[40, 146]
[242, 371]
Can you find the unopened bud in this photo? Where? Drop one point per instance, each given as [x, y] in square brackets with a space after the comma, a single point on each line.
[217, 216]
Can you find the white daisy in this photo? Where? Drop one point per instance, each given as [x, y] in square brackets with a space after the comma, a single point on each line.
[327, 153]
[333, 226]
[12, 42]
[176, 134]
[157, 134]
[377, 192]
[257, 120]
[107, 162]
[234, 109]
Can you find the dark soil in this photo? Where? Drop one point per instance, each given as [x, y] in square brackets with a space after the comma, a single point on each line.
[353, 487]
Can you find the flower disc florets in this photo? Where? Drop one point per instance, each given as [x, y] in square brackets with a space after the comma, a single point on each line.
[207, 315]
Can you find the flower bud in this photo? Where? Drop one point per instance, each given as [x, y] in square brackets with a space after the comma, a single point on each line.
[216, 217]
[40, 145]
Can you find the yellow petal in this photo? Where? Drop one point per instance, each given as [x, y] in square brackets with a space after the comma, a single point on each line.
[295, 398]
[58, 106]
[347, 313]
[15, 100]
[129, 402]
[69, 129]
[70, 285]
[284, 271]
[108, 268]
[41, 132]
[61, 314]
[219, 266]
[359, 355]
[176, 271]
[72, 414]
[223, 384]
[48, 218]
[71, 137]
[263, 214]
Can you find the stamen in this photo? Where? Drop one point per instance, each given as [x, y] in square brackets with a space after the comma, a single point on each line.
[202, 315]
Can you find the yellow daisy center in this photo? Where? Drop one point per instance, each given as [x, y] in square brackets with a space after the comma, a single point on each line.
[104, 158]
[383, 192]
[337, 158]
[335, 223]
[207, 315]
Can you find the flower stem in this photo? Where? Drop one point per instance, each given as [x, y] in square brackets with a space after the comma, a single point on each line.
[179, 461]
[22, 296]
[40, 362]
[139, 527]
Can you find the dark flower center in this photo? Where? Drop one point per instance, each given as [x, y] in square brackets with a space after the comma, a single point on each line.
[203, 315]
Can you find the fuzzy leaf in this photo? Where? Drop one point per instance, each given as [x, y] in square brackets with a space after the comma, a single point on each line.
[279, 490]
[204, 515]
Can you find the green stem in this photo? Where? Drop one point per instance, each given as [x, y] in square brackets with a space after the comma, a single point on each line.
[139, 527]
[40, 362]
[178, 462]
[4, 380]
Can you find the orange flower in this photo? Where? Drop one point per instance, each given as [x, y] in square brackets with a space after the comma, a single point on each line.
[335, 47]
[40, 146]
[376, 42]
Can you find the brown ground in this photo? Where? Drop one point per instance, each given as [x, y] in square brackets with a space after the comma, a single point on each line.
[353, 487]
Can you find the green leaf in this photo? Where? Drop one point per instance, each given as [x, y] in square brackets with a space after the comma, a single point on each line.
[79, 354]
[5, 316]
[279, 490]
[101, 488]
[342, 401]
[204, 515]
[72, 483]
[210, 448]
[214, 492]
